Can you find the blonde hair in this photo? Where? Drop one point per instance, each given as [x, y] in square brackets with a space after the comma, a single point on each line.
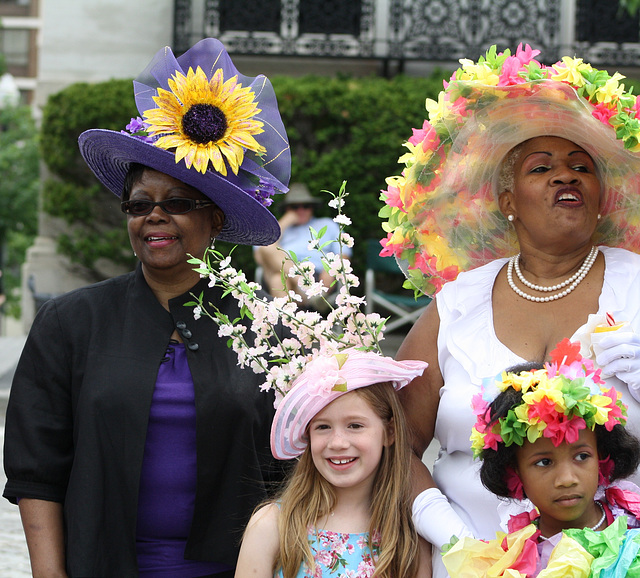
[308, 497]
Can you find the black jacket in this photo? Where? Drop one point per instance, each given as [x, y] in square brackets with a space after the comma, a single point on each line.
[77, 420]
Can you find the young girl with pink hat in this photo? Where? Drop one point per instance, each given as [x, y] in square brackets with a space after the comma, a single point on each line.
[346, 508]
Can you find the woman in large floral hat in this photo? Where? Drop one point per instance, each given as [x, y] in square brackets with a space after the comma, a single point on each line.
[519, 211]
[135, 445]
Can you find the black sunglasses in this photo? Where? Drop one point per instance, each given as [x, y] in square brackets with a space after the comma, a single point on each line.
[296, 206]
[169, 206]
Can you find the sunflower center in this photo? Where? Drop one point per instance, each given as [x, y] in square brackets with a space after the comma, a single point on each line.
[204, 123]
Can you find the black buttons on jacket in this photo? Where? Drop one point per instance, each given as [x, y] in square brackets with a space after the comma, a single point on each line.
[181, 326]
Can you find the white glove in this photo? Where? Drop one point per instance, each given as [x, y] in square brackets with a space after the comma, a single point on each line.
[435, 520]
[620, 356]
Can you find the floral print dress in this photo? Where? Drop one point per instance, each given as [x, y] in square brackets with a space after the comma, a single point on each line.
[339, 555]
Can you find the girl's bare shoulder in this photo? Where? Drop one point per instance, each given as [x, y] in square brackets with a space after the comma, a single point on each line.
[260, 544]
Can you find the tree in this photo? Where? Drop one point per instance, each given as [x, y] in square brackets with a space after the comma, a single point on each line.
[631, 6]
[19, 179]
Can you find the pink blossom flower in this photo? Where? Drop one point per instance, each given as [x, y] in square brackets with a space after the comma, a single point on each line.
[526, 55]
[514, 484]
[603, 113]
[519, 521]
[426, 135]
[392, 197]
[510, 72]
[323, 374]
[491, 441]
[605, 469]
[392, 249]
[324, 558]
[479, 405]
[563, 429]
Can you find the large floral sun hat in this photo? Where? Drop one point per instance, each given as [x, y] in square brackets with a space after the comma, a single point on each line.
[442, 214]
[556, 402]
[326, 378]
[207, 125]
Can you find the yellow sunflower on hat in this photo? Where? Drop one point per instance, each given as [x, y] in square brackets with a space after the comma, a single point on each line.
[206, 120]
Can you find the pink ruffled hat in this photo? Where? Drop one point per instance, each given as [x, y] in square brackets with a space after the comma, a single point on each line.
[325, 379]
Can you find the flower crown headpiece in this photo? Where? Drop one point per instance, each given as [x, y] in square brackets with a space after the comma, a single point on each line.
[322, 358]
[557, 402]
[441, 213]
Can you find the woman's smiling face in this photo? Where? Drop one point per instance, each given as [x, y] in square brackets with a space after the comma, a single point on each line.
[556, 192]
[162, 241]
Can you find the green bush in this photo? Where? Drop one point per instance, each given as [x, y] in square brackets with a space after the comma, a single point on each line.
[18, 198]
[339, 129]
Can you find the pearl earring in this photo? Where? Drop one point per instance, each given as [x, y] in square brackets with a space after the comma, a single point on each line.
[510, 218]
[599, 216]
[212, 246]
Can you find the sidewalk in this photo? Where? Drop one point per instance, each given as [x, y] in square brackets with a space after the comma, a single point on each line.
[14, 559]
[10, 348]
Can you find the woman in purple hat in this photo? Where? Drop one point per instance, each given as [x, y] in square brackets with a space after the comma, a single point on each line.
[135, 446]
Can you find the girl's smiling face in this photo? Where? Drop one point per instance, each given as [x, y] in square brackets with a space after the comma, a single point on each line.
[346, 442]
[561, 481]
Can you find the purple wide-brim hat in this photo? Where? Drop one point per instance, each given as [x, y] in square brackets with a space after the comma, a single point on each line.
[109, 154]
[324, 380]
[242, 197]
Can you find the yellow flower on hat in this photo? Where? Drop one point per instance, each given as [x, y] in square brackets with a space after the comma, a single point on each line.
[612, 90]
[206, 120]
[603, 407]
[571, 72]
[437, 110]
[552, 393]
[481, 72]
[439, 247]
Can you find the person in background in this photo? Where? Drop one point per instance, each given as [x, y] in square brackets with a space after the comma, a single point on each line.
[134, 444]
[520, 208]
[297, 217]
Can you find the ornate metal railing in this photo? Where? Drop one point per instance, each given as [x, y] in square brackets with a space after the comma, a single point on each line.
[402, 30]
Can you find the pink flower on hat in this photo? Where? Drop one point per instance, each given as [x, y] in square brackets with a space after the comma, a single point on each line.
[324, 375]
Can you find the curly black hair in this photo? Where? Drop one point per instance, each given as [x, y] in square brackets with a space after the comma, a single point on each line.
[621, 446]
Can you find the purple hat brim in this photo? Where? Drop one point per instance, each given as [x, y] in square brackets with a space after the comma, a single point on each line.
[109, 155]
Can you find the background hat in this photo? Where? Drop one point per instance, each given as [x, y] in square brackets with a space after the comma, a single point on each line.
[210, 127]
[324, 380]
[443, 215]
[299, 195]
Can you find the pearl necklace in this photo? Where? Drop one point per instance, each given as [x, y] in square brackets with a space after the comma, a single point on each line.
[574, 280]
[594, 528]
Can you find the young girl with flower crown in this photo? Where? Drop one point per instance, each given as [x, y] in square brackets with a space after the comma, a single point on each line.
[553, 434]
[346, 509]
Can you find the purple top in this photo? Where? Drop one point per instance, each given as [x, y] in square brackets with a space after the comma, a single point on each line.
[168, 480]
